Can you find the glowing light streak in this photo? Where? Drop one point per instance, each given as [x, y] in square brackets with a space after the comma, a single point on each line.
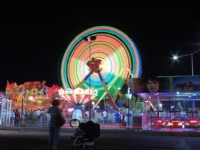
[114, 47]
[75, 98]
[86, 100]
[81, 98]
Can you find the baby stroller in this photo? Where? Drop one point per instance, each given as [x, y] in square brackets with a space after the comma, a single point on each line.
[85, 133]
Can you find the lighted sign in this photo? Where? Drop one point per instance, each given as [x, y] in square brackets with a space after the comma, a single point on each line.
[77, 96]
[77, 91]
[32, 98]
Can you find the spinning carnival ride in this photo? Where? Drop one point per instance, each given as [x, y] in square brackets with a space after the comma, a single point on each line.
[78, 98]
[118, 56]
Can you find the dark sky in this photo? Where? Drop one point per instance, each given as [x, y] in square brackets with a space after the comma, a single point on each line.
[34, 34]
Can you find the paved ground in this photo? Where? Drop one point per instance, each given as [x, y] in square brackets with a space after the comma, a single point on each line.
[108, 140]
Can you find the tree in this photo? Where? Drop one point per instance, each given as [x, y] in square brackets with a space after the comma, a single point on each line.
[179, 107]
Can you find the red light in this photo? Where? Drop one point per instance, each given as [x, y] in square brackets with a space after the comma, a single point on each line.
[159, 121]
[193, 121]
[175, 121]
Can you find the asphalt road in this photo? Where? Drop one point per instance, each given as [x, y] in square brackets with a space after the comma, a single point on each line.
[38, 140]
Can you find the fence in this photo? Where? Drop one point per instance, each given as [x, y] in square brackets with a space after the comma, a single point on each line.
[5, 110]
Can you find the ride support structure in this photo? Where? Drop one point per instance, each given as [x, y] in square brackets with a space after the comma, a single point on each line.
[94, 68]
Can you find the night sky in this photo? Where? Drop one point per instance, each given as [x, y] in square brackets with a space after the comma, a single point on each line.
[34, 35]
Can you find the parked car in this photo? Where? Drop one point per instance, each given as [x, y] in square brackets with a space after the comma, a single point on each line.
[180, 122]
[158, 123]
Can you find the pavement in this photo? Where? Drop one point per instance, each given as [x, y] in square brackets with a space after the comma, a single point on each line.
[109, 131]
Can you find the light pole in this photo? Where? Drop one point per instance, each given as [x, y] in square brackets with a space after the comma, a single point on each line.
[89, 40]
[191, 54]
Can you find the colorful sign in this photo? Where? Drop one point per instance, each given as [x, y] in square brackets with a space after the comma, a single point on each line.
[166, 84]
[191, 83]
[149, 85]
[34, 92]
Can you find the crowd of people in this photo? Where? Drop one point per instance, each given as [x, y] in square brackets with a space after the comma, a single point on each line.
[39, 116]
[120, 117]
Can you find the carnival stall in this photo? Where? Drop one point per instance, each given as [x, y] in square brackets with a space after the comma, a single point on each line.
[30, 95]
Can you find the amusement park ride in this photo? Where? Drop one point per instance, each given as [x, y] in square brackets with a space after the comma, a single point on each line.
[78, 98]
[94, 68]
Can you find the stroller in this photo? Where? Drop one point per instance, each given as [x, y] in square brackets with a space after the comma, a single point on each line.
[85, 133]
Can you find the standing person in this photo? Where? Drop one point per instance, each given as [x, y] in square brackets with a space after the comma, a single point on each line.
[105, 116]
[54, 130]
[31, 115]
[28, 115]
[17, 118]
[117, 117]
[38, 112]
[12, 113]
[87, 114]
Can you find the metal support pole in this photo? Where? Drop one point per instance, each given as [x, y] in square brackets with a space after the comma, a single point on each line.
[192, 64]
[22, 112]
[193, 103]
[89, 39]
[90, 107]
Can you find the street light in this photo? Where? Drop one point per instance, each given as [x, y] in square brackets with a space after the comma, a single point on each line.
[89, 39]
[191, 54]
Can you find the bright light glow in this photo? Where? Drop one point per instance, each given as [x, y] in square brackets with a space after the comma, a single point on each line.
[77, 91]
[180, 124]
[78, 95]
[70, 109]
[159, 121]
[175, 57]
[193, 121]
[170, 124]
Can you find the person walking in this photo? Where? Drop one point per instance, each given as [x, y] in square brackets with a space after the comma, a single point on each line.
[105, 115]
[54, 129]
